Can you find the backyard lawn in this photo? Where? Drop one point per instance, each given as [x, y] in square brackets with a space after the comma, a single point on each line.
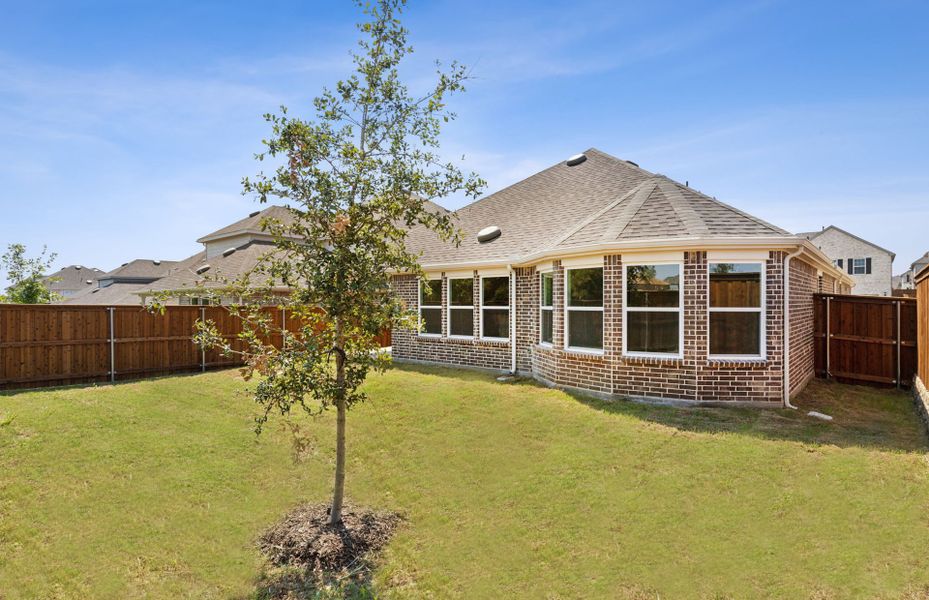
[158, 489]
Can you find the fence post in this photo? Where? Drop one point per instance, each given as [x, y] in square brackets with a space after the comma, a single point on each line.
[112, 345]
[202, 349]
[828, 337]
[898, 303]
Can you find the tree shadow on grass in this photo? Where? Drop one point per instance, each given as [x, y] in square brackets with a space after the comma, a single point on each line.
[865, 417]
[294, 583]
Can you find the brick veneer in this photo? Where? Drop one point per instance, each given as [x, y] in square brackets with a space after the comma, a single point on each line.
[695, 377]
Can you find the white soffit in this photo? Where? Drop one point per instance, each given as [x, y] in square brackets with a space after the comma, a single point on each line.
[469, 274]
[499, 272]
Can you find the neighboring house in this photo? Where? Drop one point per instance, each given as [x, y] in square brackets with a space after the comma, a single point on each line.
[72, 279]
[599, 275]
[227, 254]
[121, 285]
[869, 265]
[907, 279]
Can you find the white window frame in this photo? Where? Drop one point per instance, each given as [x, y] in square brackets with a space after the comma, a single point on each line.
[543, 308]
[470, 307]
[420, 308]
[762, 310]
[678, 309]
[506, 308]
[864, 266]
[568, 309]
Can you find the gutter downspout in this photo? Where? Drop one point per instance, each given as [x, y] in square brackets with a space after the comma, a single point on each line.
[787, 259]
[512, 319]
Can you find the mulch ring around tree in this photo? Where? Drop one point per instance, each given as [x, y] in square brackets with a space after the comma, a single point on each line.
[304, 539]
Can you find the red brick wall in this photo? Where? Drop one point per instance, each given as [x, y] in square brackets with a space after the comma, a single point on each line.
[804, 282]
[407, 344]
[693, 377]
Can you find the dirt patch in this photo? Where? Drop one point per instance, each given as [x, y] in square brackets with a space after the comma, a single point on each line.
[305, 539]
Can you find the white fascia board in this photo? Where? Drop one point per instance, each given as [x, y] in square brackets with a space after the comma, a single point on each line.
[679, 244]
[582, 262]
[737, 255]
[672, 256]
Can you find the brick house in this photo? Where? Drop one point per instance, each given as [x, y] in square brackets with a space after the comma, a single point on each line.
[598, 275]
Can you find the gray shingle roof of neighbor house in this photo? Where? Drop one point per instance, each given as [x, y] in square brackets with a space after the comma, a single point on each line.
[193, 275]
[251, 223]
[140, 268]
[602, 200]
[73, 277]
[115, 294]
[812, 235]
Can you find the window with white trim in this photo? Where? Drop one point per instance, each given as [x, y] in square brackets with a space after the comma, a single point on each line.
[430, 307]
[859, 266]
[584, 308]
[461, 307]
[736, 309]
[546, 307]
[495, 308]
[653, 309]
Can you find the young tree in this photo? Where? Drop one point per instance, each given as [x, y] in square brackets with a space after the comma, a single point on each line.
[26, 276]
[355, 178]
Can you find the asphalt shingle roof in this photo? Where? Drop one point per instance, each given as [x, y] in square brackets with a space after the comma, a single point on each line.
[73, 277]
[250, 223]
[604, 199]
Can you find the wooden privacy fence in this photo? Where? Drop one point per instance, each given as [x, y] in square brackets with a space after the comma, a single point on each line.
[48, 345]
[865, 339]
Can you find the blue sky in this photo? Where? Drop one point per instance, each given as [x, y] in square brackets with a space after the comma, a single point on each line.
[126, 127]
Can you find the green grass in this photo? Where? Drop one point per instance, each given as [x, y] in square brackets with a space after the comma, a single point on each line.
[157, 489]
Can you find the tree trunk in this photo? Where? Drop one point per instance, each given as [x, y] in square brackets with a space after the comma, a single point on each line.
[338, 492]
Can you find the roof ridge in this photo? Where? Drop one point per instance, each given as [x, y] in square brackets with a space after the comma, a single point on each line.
[593, 217]
[619, 161]
[629, 212]
[860, 239]
[683, 209]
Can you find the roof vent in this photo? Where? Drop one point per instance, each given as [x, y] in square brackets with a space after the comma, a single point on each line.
[124, 264]
[256, 213]
[156, 262]
[228, 251]
[632, 163]
[203, 269]
[576, 159]
[89, 281]
[78, 267]
[488, 234]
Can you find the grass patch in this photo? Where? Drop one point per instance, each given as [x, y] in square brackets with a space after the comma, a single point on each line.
[160, 489]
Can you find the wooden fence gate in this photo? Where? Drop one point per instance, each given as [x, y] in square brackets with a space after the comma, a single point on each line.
[865, 339]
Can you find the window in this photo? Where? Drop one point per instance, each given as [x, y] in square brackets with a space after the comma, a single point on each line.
[461, 307]
[584, 308]
[653, 310]
[737, 309]
[430, 307]
[859, 266]
[546, 307]
[495, 308]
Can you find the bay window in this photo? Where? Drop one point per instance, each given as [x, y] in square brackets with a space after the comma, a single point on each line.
[737, 310]
[495, 308]
[653, 309]
[584, 308]
[546, 308]
[461, 307]
[430, 307]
